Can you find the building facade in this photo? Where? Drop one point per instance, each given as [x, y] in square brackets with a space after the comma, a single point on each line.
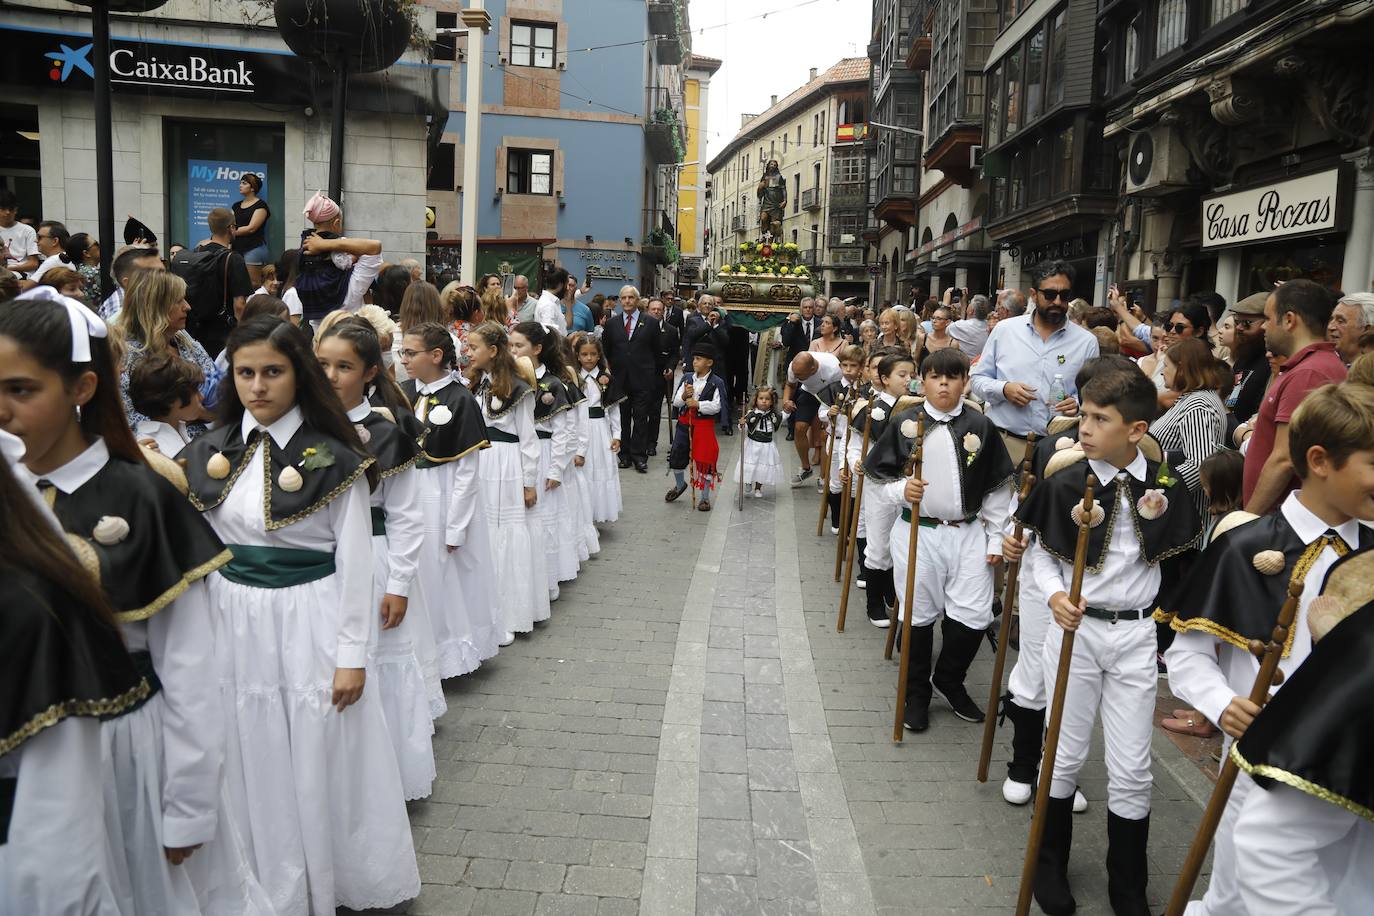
[203, 92]
[582, 137]
[816, 134]
[1246, 131]
[693, 235]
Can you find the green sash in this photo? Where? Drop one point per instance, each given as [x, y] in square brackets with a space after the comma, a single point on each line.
[596, 413]
[276, 567]
[500, 435]
[378, 522]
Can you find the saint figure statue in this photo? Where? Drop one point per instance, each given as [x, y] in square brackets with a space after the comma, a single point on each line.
[772, 195]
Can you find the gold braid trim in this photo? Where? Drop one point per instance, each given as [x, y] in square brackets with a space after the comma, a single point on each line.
[403, 466]
[1294, 781]
[233, 478]
[507, 405]
[59, 711]
[178, 588]
[309, 510]
[463, 454]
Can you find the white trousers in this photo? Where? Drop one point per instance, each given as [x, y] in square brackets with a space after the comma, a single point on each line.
[952, 573]
[1027, 680]
[1113, 670]
[1223, 893]
[878, 517]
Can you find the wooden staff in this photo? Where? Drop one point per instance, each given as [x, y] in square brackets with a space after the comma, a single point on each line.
[1061, 684]
[1004, 630]
[743, 444]
[914, 472]
[687, 390]
[827, 459]
[1269, 674]
[849, 518]
[846, 506]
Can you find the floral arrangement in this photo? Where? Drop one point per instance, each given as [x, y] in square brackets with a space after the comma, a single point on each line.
[765, 259]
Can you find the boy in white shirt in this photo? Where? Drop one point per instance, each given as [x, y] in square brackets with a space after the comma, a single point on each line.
[166, 389]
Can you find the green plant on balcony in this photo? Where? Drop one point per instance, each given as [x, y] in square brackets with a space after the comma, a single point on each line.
[665, 245]
[666, 115]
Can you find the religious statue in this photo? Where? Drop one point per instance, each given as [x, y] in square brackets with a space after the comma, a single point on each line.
[772, 195]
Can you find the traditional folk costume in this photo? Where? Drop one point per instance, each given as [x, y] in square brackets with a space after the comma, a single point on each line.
[579, 495]
[555, 423]
[398, 534]
[875, 515]
[517, 533]
[762, 465]
[694, 437]
[318, 791]
[1229, 600]
[63, 672]
[600, 474]
[1140, 519]
[963, 512]
[165, 757]
[1305, 839]
[456, 588]
[840, 394]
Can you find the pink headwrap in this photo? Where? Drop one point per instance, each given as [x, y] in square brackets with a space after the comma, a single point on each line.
[320, 209]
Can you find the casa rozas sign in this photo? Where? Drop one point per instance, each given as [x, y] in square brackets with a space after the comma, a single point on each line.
[1306, 205]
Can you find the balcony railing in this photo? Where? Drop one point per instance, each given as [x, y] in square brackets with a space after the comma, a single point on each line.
[811, 199]
[663, 125]
[669, 50]
[662, 17]
[737, 224]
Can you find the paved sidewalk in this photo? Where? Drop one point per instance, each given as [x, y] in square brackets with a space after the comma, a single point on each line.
[689, 735]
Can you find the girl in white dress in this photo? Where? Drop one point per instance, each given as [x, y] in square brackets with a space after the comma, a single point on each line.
[455, 562]
[350, 354]
[284, 480]
[602, 409]
[579, 490]
[555, 421]
[509, 473]
[762, 464]
[173, 848]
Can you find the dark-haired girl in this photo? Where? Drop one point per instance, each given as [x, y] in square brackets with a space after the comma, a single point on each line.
[350, 354]
[173, 849]
[284, 481]
[602, 409]
[509, 476]
[555, 422]
[579, 491]
[455, 561]
[62, 665]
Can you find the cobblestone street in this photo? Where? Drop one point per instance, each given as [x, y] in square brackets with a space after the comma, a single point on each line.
[689, 734]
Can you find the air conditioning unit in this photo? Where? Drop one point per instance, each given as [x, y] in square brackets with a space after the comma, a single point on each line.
[1156, 162]
[975, 157]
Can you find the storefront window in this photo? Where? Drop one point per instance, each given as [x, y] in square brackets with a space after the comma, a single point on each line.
[1035, 67]
[1059, 49]
[203, 162]
[1013, 93]
[1318, 260]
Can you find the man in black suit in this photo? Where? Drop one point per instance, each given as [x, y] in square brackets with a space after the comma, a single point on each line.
[671, 345]
[634, 347]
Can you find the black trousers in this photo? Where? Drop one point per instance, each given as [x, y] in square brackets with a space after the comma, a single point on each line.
[637, 418]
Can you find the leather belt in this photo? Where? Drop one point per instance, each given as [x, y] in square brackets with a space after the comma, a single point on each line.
[1097, 613]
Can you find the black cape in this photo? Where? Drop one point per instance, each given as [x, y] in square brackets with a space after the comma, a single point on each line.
[388, 443]
[858, 418]
[56, 660]
[1317, 734]
[1046, 513]
[835, 393]
[554, 398]
[320, 486]
[168, 547]
[611, 393]
[986, 470]
[493, 406]
[1227, 597]
[464, 432]
[405, 419]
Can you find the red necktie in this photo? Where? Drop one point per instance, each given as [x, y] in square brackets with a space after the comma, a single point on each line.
[629, 319]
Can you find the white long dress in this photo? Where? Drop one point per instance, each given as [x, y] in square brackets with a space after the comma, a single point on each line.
[589, 539]
[762, 463]
[457, 588]
[318, 790]
[399, 678]
[600, 473]
[554, 509]
[517, 534]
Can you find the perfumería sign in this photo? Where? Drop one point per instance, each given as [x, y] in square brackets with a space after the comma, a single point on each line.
[1307, 205]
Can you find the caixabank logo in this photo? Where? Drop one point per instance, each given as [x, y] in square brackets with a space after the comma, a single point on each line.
[166, 66]
[67, 59]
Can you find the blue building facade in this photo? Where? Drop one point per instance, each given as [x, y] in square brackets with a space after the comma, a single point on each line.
[581, 107]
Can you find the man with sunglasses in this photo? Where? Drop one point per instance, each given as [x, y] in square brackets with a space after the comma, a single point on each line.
[1023, 355]
[1247, 357]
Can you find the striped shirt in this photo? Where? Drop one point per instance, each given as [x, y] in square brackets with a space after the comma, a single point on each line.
[1195, 426]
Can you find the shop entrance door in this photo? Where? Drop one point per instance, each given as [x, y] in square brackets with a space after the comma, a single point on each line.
[203, 163]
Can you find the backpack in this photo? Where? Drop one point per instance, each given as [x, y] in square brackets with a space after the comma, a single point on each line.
[206, 272]
[320, 283]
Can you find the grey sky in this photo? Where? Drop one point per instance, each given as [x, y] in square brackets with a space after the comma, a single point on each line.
[772, 55]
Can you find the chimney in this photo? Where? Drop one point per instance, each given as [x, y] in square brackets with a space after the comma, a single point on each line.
[813, 73]
[772, 100]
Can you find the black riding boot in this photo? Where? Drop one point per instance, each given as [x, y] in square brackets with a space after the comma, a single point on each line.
[875, 594]
[834, 500]
[917, 717]
[1052, 866]
[1027, 740]
[957, 652]
[1126, 866]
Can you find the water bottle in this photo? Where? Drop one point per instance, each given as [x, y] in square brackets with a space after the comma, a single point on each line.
[1057, 390]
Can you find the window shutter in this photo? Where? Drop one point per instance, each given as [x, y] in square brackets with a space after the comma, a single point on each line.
[501, 169]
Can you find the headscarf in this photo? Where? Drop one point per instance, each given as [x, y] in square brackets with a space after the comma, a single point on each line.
[320, 209]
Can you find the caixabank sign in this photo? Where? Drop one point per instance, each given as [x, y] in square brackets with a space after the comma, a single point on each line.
[63, 60]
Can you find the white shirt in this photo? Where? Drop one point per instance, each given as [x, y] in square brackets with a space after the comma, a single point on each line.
[855, 451]
[20, 242]
[51, 261]
[707, 408]
[548, 311]
[293, 302]
[593, 392]
[365, 270]
[343, 528]
[170, 439]
[520, 423]
[1126, 582]
[563, 442]
[1207, 673]
[405, 527]
[827, 371]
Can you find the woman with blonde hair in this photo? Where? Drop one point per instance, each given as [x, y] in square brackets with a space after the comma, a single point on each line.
[153, 323]
[495, 307]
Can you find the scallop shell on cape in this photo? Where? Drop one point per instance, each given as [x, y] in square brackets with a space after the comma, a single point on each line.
[218, 466]
[290, 480]
[910, 428]
[110, 530]
[1095, 517]
[1269, 562]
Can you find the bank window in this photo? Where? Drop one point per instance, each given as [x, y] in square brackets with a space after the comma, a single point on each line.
[445, 45]
[531, 45]
[1171, 26]
[1059, 50]
[529, 172]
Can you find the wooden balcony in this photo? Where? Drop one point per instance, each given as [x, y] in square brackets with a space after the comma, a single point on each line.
[952, 153]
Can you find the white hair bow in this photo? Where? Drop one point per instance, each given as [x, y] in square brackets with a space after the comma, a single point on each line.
[85, 323]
